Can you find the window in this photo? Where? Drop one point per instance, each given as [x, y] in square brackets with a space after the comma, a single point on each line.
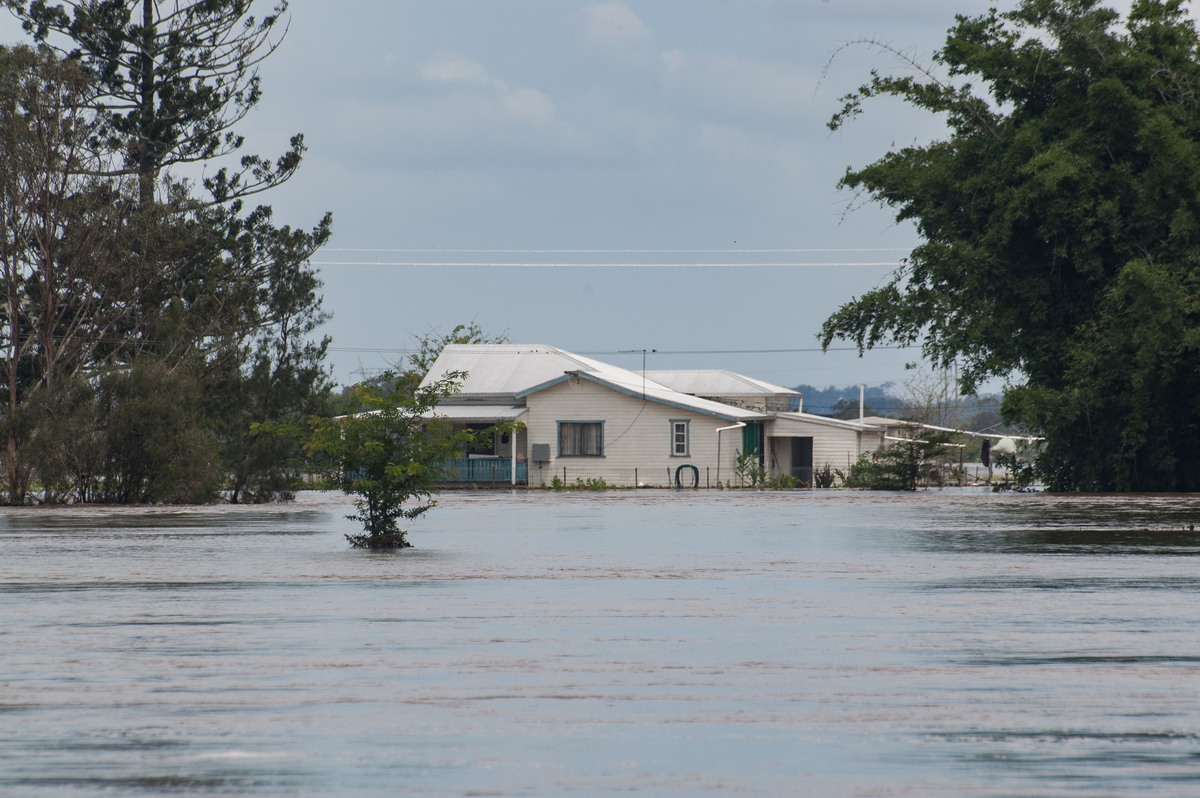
[679, 438]
[581, 439]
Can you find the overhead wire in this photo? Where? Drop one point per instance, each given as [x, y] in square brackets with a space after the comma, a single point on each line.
[610, 251]
[423, 264]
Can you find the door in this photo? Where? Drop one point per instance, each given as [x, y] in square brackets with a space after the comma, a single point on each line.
[802, 460]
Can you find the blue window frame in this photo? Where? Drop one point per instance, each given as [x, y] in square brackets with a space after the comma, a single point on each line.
[581, 439]
[681, 439]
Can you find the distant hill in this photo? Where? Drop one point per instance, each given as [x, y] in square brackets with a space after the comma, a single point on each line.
[843, 402]
[977, 413]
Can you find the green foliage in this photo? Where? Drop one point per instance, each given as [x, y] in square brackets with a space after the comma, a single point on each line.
[172, 81]
[842, 402]
[68, 448]
[157, 448]
[279, 373]
[1021, 475]
[749, 471]
[114, 273]
[1060, 220]
[784, 482]
[391, 456]
[417, 364]
[63, 225]
[591, 483]
[902, 465]
[430, 345]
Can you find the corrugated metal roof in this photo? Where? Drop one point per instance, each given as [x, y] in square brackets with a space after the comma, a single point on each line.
[479, 412]
[509, 371]
[716, 382]
[661, 394]
[827, 421]
[465, 412]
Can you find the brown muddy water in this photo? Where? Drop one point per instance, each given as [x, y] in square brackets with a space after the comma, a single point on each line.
[953, 643]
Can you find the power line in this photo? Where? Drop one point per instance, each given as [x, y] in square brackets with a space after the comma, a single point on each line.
[618, 251]
[620, 265]
[408, 351]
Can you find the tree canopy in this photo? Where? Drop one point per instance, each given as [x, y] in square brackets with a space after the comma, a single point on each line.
[147, 323]
[1060, 227]
[172, 80]
[391, 455]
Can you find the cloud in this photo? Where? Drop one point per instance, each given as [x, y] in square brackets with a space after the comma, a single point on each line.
[467, 83]
[613, 29]
[452, 112]
[736, 144]
[451, 68]
[736, 85]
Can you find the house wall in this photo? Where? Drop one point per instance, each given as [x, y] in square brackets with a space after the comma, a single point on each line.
[837, 446]
[637, 438]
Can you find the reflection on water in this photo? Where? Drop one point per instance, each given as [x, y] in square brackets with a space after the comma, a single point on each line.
[949, 643]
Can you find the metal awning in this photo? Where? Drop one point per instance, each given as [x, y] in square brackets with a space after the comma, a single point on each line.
[471, 412]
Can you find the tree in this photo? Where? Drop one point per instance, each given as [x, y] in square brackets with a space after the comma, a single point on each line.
[173, 80]
[1060, 220]
[418, 362]
[391, 456]
[217, 288]
[904, 464]
[157, 445]
[430, 345]
[170, 82]
[272, 368]
[67, 282]
[931, 398]
[849, 409]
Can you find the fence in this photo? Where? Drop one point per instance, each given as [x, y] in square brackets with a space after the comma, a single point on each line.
[485, 471]
[585, 475]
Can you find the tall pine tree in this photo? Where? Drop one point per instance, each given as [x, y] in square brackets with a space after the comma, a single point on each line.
[233, 302]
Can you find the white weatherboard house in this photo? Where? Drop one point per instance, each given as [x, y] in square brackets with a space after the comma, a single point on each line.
[581, 419]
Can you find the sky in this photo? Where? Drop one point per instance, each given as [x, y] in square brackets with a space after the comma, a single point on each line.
[606, 177]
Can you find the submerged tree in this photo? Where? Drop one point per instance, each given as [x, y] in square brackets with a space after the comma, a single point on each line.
[1060, 220]
[390, 456]
[68, 286]
[279, 373]
[196, 280]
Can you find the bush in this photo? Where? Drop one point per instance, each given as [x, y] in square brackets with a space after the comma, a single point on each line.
[592, 483]
[749, 471]
[784, 482]
[902, 466]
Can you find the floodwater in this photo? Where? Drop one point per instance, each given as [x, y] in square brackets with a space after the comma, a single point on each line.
[944, 643]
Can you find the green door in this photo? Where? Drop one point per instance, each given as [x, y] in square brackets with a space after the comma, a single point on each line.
[752, 438]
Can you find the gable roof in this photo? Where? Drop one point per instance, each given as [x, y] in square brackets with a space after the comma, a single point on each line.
[505, 370]
[660, 394]
[513, 371]
[717, 382]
